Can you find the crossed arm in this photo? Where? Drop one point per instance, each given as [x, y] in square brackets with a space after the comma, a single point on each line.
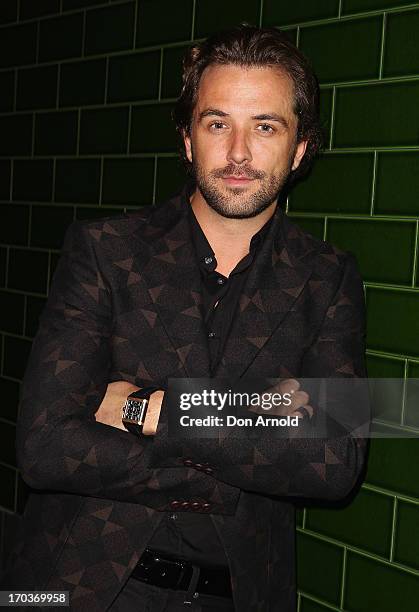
[66, 442]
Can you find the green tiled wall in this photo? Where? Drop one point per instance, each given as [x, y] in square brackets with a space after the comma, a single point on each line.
[86, 92]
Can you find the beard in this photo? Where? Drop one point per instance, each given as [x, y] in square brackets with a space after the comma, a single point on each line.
[235, 202]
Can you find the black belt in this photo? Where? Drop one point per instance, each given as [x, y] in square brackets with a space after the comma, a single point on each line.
[171, 573]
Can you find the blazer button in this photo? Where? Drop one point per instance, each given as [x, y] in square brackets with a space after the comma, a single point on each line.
[188, 462]
[196, 505]
[185, 505]
[175, 504]
[206, 506]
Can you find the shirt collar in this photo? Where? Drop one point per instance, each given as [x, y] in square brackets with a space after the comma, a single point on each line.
[203, 247]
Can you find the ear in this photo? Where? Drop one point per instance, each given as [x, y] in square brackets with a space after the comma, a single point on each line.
[299, 154]
[188, 146]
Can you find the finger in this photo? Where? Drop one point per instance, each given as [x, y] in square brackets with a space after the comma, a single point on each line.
[289, 385]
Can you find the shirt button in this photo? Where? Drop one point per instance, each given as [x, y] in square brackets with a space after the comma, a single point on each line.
[211, 334]
[220, 281]
[208, 260]
[173, 516]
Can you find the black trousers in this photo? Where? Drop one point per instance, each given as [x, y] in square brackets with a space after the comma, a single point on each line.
[137, 596]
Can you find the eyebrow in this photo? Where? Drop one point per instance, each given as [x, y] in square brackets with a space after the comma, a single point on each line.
[215, 112]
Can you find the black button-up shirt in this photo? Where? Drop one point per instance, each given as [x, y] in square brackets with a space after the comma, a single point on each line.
[188, 535]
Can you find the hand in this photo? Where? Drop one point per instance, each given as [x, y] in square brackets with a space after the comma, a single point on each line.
[110, 409]
[298, 399]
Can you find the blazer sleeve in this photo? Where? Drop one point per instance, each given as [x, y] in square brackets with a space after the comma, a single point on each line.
[60, 445]
[307, 467]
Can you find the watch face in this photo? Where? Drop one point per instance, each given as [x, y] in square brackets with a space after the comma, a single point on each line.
[134, 410]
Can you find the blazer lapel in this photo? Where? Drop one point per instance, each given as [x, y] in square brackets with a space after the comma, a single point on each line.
[281, 269]
[173, 281]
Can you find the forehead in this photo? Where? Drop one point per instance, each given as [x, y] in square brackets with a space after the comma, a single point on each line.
[248, 90]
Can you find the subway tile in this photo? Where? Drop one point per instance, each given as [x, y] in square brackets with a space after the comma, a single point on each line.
[69, 5]
[384, 367]
[16, 355]
[128, 181]
[366, 522]
[5, 175]
[172, 71]
[3, 263]
[401, 59]
[312, 225]
[378, 586]
[18, 45]
[14, 224]
[370, 115]
[357, 6]
[171, 176]
[77, 180]
[281, 13]
[46, 217]
[82, 82]
[134, 77]
[9, 390]
[153, 129]
[30, 9]
[322, 577]
[8, 11]
[387, 396]
[406, 550]
[110, 29]
[87, 213]
[28, 270]
[369, 239]
[390, 464]
[396, 312]
[37, 88]
[340, 183]
[104, 130]
[411, 412]
[12, 307]
[291, 34]
[207, 15]
[7, 489]
[326, 97]
[7, 88]
[56, 133]
[32, 180]
[16, 135]
[299, 516]
[7, 444]
[397, 183]
[152, 29]
[348, 61]
[34, 308]
[308, 605]
[60, 37]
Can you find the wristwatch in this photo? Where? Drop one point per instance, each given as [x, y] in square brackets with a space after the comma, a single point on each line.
[135, 409]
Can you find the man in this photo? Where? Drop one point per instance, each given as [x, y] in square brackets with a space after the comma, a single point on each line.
[217, 282]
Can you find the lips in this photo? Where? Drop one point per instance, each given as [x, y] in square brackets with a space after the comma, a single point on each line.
[239, 180]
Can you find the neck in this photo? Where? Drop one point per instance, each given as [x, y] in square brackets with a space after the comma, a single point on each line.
[229, 238]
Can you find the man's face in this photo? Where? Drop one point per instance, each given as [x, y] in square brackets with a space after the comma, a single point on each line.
[243, 138]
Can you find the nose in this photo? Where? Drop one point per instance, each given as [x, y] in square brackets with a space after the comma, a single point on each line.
[239, 150]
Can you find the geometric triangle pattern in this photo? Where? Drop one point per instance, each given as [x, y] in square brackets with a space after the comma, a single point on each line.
[125, 304]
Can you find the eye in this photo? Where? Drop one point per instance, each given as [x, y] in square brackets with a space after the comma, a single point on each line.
[267, 129]
[216, 126]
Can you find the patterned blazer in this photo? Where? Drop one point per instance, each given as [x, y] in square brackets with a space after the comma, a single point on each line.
[125, 303]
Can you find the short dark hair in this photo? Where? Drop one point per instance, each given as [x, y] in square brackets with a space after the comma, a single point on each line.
[247, 45]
